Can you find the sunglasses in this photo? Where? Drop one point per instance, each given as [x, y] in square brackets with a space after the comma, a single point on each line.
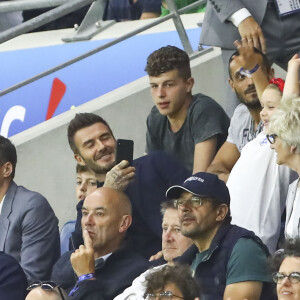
[47, 286]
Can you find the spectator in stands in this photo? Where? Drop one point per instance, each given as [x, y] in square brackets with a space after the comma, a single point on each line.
[229, 261]
[86, 182]
[173, 244]
[125, 10]
[180, 4]
[191, 128]
[29, 227]
[257, 165]
[284, 133]
[13, 281]
[104, 266]
[286, 264]
[67, 21]
[94, 145]
[258, 23]
[172, 282]
[245, 123]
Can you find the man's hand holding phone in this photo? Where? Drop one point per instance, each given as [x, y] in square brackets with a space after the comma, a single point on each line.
[120, 176]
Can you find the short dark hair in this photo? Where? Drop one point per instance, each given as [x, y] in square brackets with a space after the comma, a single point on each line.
[166, 205]
[180, 275]
[291, 247]
[266, 62]
[8, 153]
[167, 59]
[80, 121]
[82, 169]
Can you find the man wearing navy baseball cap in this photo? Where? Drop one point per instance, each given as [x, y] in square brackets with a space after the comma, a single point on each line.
[229, 261]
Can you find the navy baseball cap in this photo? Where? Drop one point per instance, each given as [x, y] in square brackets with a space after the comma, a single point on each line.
[203, 185]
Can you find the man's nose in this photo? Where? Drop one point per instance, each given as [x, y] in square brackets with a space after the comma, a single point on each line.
[88, 219]
[169, 234]
[160, 91]
[100, 145]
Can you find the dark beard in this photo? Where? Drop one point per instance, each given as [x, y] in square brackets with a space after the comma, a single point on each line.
[254, 104]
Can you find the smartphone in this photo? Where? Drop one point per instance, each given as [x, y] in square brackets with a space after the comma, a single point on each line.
[124, 151]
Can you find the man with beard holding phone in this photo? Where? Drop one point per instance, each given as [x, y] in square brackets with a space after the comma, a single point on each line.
[145, 183]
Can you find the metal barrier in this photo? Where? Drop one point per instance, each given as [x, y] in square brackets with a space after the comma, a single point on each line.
[17, 5]
[69, 7]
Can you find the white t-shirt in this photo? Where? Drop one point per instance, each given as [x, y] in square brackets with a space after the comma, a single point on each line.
[241, 129]
[258, 188]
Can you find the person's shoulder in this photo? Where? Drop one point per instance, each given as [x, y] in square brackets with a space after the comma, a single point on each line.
[250, 245]
[241, 110]
[25, 198]
[125, 257]
[152, 156]
[204, 103]
[202, 100]
[28, 193]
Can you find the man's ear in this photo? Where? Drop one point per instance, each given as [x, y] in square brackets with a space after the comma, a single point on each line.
[125, 223]
[190, 83]
[7, 169]
[222, 211]
[79, 159]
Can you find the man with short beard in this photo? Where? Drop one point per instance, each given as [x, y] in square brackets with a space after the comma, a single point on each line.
[245, 123]
[229, 261]
[145, 183]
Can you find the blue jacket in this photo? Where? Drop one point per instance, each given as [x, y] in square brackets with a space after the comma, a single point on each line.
[112, 277]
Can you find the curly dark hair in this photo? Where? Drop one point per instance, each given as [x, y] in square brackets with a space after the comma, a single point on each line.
[80, 121]
[180, 275]
[167, 59]
[291, 247]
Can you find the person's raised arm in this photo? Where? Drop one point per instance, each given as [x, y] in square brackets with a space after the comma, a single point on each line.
[291, 87]
[250, 60]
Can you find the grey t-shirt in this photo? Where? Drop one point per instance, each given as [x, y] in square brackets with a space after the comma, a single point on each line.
[205, 119]
[241, 129]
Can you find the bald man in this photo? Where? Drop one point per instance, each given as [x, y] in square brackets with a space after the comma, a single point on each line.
[104, 266]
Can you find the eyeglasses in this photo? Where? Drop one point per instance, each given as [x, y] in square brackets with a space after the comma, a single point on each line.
[166, 295]
[194, 202]
[47, 286]
[293, 277]
[272, 137]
